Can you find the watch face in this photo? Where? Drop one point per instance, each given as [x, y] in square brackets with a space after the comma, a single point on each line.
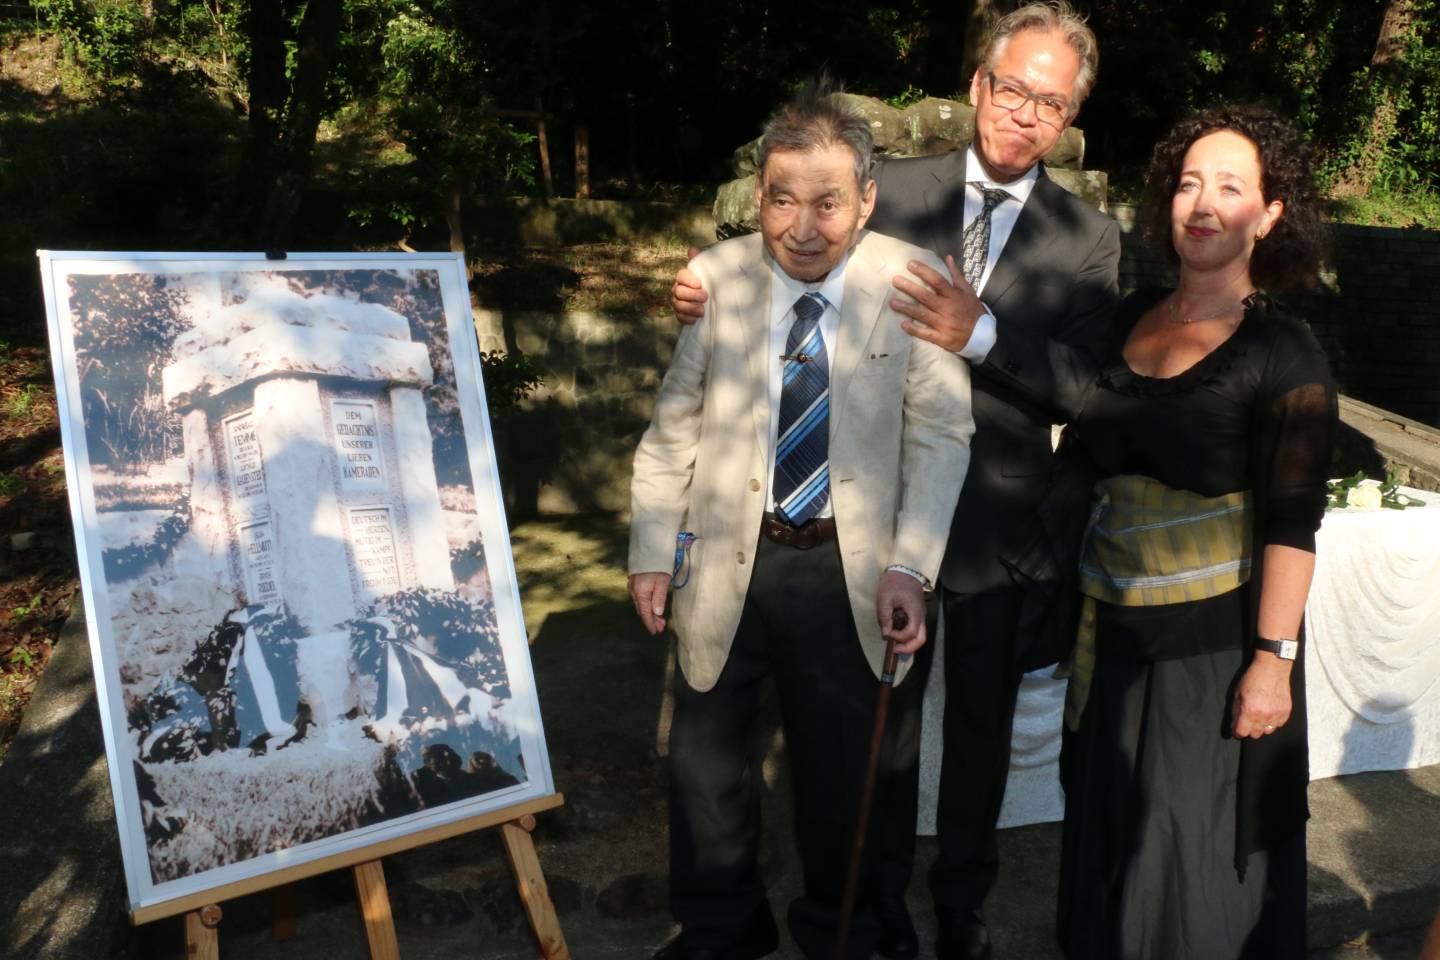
[1288, 649]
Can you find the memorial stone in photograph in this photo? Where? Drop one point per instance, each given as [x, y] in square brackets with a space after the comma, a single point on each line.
[304, 423]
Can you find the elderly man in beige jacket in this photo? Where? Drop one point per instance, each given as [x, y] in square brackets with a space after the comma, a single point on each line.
[802, 465]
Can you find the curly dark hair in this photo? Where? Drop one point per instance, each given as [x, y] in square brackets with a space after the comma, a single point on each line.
[1293, 250]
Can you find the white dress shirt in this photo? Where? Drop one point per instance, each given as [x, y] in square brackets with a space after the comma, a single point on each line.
[784, 291]
[1002, 224]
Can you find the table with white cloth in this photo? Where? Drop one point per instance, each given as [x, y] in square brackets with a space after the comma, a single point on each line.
[1372, 666]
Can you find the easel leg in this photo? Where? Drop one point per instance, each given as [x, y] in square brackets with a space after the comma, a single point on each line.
[282, 912]
[533, 892]
[202, 940]
[375, 909]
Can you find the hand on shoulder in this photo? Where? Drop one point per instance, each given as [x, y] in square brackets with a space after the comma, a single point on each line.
[687, 297]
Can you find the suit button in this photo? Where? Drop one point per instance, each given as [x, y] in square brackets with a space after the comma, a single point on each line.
[754, 485]
[1012, 366]
[740, 558]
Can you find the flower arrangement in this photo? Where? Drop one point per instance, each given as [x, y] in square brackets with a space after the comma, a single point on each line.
[1363, 493]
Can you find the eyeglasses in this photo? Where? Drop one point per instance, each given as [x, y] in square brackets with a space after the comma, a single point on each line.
[1012, 96]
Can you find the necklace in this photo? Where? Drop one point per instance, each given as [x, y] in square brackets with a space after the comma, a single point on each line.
[1176, 318]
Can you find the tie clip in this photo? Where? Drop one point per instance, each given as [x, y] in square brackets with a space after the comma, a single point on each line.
[797, 357]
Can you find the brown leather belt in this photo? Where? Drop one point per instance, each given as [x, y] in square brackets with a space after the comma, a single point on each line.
[812, 534]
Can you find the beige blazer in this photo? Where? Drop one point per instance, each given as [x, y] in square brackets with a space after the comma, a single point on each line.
[900, 429]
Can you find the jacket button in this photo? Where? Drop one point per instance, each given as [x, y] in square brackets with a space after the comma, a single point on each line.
[1012, 366]
[754, 485]
[740, 558]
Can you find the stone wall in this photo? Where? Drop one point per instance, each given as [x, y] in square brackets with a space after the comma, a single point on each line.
[531, 222]
[1377, 311]
[569, 448]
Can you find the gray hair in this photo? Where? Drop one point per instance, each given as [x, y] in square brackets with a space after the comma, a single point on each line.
[1050, 16]
[816, 119]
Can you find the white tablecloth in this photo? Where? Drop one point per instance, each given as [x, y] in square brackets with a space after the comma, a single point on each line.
[1372, 664]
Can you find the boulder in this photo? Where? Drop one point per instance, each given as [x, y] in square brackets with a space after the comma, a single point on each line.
[934, 126]
[736, 212]
[1092, 186]
[745, 161]
[923, 129]
[1069, 153]
[886, 123]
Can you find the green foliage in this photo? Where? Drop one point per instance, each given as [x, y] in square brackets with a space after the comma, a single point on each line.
[444, 113]
[509, 379]
[10, 484]
[1417, 207]
[18, 404]
[107, 37]
[1163, 59]
[911, 94]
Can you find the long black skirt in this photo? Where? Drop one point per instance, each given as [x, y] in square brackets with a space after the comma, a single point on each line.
[1148, 858]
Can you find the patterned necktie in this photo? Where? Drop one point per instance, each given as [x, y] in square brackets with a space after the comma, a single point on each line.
[975, 242]
[802, 442]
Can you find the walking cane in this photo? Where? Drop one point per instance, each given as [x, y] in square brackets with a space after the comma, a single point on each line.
[899, 620]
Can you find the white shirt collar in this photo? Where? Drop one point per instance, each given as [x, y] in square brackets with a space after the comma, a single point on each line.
[1019, 188]
[831, 289]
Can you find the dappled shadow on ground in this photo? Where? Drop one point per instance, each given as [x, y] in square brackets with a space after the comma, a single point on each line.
[604, 692]
[37, 556]
[63, 861]
[610, 277]
[1379, 836]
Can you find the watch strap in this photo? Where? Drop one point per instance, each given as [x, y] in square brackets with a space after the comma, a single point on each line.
[1284, 649]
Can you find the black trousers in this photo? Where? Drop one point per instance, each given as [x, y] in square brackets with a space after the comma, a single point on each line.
[796, 628]
[981, 684]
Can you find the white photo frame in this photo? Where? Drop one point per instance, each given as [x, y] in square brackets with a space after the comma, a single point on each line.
[301, 602]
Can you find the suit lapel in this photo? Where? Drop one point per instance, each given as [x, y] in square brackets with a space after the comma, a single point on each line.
[754, 319]
[945, 205]
[865, 288]
[1028, 241]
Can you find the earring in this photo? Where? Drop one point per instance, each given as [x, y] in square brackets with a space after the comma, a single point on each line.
[1260, 235]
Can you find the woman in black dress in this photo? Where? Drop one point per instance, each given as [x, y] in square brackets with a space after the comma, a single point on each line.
[1209, 427]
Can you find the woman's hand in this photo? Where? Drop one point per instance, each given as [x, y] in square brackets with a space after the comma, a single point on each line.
[1262, 699]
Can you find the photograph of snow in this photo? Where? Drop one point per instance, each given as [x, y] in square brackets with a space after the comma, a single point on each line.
[302, 608]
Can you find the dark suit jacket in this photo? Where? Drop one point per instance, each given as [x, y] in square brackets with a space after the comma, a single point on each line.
[1052, 291]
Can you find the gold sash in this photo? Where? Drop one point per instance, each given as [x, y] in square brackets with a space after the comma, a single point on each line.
[1145, 545]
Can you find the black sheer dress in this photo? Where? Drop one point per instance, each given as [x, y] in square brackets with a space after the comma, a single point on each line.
[1181, 842]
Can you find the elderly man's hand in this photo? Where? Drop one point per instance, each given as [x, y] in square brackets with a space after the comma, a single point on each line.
[686, 295]
[900, 591]
[942, 311]
[649, 590]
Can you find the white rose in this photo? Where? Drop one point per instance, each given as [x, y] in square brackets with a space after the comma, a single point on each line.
[1363, 497]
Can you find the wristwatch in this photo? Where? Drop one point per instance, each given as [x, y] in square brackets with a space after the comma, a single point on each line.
[1284, 649]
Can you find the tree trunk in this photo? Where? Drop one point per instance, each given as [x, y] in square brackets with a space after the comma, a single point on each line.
[1385, 70]
[979, 21]
[942, 68]
[319, 31]
[454, 198]
[265, 28]
[218, 17]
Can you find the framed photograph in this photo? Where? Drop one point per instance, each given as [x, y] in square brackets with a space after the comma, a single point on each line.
[297, 577]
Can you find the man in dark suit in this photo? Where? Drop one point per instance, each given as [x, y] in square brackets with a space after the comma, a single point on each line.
[1033, 274]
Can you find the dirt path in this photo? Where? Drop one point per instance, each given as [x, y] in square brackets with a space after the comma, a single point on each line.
[37, 551]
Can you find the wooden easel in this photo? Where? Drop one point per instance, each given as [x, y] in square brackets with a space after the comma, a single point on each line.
[203, 913]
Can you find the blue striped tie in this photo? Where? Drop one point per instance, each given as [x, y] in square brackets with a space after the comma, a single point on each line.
[802, 443]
